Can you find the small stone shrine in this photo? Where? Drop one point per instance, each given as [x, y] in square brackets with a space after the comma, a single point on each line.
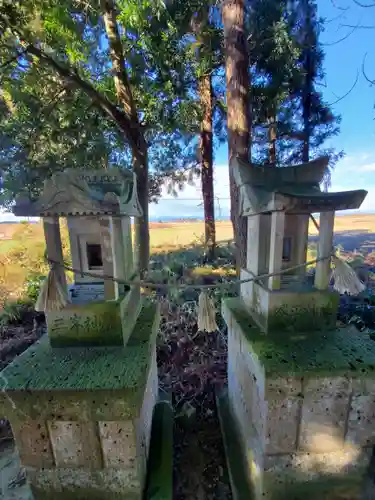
[301, 390]
[80, 401]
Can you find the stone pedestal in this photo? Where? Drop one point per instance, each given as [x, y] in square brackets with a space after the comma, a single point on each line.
[81, 417]
[304, 404]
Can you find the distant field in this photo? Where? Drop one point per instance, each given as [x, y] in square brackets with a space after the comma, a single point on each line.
[165, 236]
[168, 236]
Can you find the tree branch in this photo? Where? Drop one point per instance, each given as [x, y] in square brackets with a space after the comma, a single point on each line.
[372, 82]
[347, 93]
[333, 2]
[363, 4]
[124, 94]
[359, 26]
[71, 75]
[343, 38]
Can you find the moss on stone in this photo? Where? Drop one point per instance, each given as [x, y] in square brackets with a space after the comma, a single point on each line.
[310, 312]
[91, 324]
[327, 487]
[80, 382]
[83, 494]
[342, 351]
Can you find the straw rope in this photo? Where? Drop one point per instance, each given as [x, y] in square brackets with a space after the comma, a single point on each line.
[188, 286]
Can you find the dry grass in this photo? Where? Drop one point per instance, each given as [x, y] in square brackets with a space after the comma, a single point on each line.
[24, 252]
[179, 234]
[358, 222]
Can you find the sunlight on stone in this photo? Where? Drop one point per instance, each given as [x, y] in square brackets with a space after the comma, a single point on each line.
[328, 453]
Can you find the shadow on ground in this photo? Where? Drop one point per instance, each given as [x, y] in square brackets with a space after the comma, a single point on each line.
[360, 239]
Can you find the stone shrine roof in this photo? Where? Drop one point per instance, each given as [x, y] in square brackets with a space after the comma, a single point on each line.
[294, 189]
[77, 193]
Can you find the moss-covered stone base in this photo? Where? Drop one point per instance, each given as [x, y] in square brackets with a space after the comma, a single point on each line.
[81, 417]
[343, 351]
[303, 403]
[308, 309]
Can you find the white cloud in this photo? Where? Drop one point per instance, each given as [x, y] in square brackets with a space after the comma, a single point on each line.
[368, 167]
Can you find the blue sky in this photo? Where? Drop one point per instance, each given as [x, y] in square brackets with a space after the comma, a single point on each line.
[343, 62]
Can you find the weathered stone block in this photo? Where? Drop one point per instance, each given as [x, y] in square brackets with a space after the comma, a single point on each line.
[33, 443]
[75, 444]
[333, 475]
[118, 444]
[362, 413]
[95, 323]
[324, 413]
[83, 484]
[283, 396]
[143, 423]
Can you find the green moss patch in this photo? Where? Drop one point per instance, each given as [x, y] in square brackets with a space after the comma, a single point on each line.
[343, 351]
[334, 487]
[312, 311]
[43, 368]
[92, 324]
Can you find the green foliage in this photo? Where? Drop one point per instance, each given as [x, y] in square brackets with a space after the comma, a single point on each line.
[32, 286]
[14, 312]
[283, 35]
[51, 123]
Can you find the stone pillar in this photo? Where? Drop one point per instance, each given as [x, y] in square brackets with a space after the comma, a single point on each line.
[75, 249]
[322, 273]
[105, 237]
[302, 236]
[52, 236]
[276, 248]
[258, 229]
[128, 247]
[117, 241]
[121, 239]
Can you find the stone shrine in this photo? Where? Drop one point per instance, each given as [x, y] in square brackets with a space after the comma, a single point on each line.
[80, 401]
[301, 390]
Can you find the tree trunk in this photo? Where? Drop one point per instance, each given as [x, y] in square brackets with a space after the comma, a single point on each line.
[206, 154]
[141, 229]
[135, 136]
[272, 135]
[238, 116]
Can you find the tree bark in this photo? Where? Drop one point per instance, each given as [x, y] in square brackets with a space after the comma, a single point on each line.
[206, 154]
[138, 143]
[141, 229]
[238, 115]
[272, 136]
